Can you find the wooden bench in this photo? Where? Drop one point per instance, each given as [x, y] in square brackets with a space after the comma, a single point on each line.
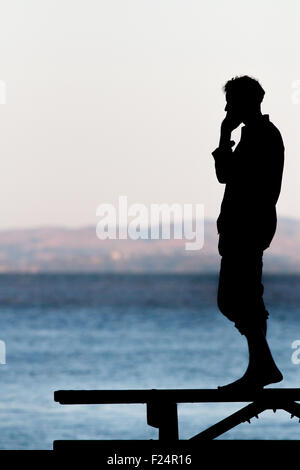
[162, 405]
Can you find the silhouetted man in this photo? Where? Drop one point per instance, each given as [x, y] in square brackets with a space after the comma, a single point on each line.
[247, 222]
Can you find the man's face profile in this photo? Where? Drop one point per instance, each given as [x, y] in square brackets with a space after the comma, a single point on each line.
[235, 108]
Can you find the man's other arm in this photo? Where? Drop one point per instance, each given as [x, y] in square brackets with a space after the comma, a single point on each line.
[223, 160]
[223, 154]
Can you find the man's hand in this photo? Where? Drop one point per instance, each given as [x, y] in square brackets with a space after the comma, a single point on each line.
[229, 123]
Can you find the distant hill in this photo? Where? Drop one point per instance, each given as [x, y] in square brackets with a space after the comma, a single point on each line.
[59, 249]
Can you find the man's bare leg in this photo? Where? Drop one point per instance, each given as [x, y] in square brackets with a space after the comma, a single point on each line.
[262, 369]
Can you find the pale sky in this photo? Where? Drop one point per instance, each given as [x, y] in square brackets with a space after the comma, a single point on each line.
[124, 97]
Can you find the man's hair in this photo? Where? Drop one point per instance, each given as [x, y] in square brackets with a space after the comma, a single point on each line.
[247, 86]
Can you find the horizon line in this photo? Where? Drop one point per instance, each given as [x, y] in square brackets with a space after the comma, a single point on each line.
[90, 225]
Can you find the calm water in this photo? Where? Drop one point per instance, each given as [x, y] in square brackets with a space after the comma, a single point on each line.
[121, 332]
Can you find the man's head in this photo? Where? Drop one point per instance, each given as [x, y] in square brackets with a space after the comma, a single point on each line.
[243, 96]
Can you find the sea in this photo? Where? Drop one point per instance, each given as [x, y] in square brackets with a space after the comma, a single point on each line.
[139, 331]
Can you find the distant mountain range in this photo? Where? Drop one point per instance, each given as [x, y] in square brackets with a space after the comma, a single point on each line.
[59, 249]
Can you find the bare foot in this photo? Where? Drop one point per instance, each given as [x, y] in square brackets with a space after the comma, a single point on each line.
[255, 379]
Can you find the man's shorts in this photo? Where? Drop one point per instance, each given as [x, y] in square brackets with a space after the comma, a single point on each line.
[240, 290]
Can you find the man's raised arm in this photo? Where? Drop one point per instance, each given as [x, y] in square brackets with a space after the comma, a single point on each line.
[223, 154]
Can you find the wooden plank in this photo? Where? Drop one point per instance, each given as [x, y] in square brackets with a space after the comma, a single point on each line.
[88, 397]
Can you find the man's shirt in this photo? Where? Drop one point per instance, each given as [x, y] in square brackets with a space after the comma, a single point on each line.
[252, 174]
